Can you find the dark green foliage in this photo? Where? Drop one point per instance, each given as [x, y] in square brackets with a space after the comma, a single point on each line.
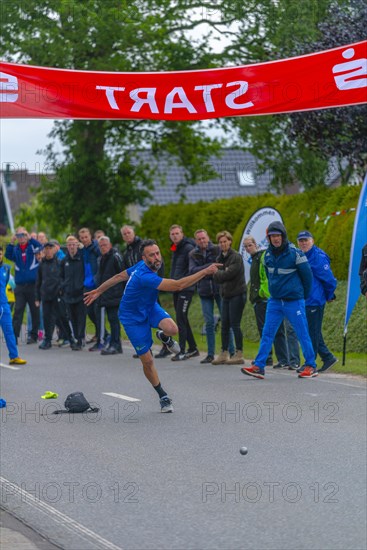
[298, 212]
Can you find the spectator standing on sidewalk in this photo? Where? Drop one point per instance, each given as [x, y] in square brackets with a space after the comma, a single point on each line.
[204, 254]
[90, 254]
[322, 291]
[259, 295]
[181, 248]
[110, 264]
[231, 278]
[72, 290]
[290, 282]
[23, 255]
[48, 289]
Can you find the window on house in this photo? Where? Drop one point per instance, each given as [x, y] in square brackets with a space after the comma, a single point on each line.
[245, 178]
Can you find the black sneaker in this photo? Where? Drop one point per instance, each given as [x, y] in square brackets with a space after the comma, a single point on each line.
[328, 365]
[96, 347]
[164, 352]
[168, 341]
[110, 350]
[208, 359]
[192, 353]
[76, 346]
[293, 367]
[31, 341]
[45, 345]
[179, 357]
[280, 366]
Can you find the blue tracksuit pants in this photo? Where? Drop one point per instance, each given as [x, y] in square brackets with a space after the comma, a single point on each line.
[6, 324]
[295, 312]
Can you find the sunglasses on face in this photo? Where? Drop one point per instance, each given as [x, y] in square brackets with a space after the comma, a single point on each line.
[18, 235]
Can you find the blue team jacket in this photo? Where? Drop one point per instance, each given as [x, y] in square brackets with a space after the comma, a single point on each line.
[24, 272]
[289, 273]
[324, 282]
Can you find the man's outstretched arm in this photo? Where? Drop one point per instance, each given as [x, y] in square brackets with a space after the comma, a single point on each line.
[89, 297]
[172, 285]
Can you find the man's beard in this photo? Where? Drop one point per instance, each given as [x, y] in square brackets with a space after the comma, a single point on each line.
[155, 266]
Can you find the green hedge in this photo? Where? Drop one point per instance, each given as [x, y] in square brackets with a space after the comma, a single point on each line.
[298, 212]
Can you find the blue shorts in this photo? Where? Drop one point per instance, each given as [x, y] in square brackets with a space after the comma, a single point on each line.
[140, 334]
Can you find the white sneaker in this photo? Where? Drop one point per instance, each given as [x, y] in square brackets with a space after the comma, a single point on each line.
[168, 342]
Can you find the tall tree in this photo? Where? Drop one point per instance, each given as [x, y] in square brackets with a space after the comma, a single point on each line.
[97, 175]
[299, 147]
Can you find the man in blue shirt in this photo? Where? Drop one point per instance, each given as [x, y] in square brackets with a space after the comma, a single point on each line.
[290, 281]
[139, 310]
[322, 291]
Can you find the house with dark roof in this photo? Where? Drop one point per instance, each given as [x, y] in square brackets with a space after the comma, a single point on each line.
[237, 172]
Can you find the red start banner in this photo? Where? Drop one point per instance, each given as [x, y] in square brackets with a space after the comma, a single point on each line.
[332, 78]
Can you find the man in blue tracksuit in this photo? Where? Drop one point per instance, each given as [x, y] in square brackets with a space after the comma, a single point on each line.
[5, 315]
[323, 288]
[290, 282]
[23, 254]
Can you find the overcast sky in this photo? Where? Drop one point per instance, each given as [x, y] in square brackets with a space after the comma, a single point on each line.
[20, 139]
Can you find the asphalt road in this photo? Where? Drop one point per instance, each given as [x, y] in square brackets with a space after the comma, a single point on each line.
[130, 477]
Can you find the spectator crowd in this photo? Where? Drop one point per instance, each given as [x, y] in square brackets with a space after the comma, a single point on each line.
[288, 290]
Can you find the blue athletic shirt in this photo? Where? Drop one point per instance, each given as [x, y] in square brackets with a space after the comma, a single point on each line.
[140, 294]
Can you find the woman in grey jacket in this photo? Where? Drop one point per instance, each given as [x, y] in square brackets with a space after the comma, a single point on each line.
[231, 279]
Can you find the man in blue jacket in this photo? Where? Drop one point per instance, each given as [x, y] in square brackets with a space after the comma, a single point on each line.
[23, 255]
[290, 282]
[322, 291]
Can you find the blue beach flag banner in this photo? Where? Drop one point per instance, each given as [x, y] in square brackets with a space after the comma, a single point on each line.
[359, 239]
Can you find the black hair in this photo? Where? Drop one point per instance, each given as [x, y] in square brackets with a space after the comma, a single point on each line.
[145, 243]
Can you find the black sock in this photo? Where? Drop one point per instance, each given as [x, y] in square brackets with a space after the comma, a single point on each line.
[160, 391]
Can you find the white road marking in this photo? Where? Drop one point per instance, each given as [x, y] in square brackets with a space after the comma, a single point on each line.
[120, 396]
[64, 520]
[8, 367]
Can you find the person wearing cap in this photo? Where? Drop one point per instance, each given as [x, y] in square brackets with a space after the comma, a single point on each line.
[322, 291]
[23, 254]
[60, 254]
[47, 290]
[290, 282]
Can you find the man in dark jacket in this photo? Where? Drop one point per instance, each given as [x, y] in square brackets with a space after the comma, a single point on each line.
[90, 254]
[204, 254]
[290, 282]
[110, 264]
[72, 289]
[132, 254]
[23, 255]
[181, 248]
[47, 290]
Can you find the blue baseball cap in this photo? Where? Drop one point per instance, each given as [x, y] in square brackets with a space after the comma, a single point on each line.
[304, 235]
